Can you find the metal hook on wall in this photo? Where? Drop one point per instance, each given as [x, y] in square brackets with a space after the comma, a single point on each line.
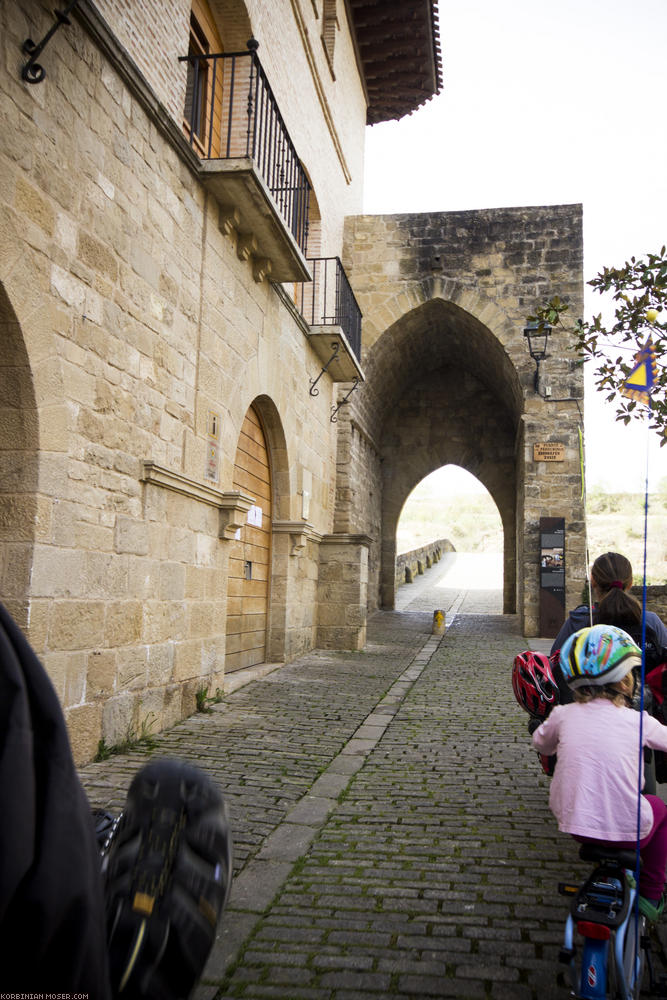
[32, 72]
[335, 409]
[335, 346]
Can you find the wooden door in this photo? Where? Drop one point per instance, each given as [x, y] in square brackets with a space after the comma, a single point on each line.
[250, 557]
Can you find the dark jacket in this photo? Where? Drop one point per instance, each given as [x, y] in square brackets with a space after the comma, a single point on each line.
[656, 641]
[52, 922]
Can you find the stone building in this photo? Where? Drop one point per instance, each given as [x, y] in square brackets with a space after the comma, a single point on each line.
[183, 269]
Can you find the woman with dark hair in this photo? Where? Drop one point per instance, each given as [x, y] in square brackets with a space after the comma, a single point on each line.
[613, 604]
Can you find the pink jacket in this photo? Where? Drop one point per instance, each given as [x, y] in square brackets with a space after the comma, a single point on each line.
[594, 789]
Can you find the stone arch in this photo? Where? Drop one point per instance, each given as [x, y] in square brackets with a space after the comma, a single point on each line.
[393, 507]
[249, 565]
[443, 532]
[19, 455]
[424, 303]
[278, 454]
[314, 247]
[441, 387]
[233, 22]
[276, 441]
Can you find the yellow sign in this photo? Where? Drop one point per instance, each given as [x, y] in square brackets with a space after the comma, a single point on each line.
[549, 451]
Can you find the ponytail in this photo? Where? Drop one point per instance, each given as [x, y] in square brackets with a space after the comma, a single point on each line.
[612, 574]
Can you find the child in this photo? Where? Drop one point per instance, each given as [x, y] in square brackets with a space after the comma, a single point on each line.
[594, 790]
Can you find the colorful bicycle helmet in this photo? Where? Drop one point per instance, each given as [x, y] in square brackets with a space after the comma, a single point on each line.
[533, 681]
[598, 655]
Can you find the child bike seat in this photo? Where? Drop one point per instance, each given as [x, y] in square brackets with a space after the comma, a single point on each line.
[622, 858]
[604, 897]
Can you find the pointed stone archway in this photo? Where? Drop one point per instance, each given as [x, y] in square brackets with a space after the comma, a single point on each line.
[449, 380]
[452, 400]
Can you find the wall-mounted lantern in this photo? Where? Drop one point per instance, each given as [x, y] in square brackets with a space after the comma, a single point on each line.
[537, 335]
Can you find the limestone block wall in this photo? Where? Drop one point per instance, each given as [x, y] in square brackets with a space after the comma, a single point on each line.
[449, 293]
[656, 599]
[132, 329]
[343, 592]
[323, 105]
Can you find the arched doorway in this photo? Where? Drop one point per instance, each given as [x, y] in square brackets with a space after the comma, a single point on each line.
[450, 530]
[450, 502]
[451, 400]
[250, 558]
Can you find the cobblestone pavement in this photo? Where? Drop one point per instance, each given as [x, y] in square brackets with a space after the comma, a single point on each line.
[391, 829]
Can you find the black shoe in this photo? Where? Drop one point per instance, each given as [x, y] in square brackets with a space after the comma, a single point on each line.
[167, 877]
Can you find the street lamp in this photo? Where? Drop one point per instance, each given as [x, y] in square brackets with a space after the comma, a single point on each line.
[537, 335]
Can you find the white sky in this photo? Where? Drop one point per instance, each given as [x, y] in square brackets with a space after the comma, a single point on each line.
[547, 103]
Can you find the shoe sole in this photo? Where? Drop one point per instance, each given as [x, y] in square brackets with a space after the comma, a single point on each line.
[167, 878]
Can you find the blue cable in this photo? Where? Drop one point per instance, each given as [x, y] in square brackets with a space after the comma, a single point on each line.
[641, 697]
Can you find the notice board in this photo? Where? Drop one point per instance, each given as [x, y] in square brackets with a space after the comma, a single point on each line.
[552, 575]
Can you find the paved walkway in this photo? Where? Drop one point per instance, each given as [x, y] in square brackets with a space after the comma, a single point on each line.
[391, 830]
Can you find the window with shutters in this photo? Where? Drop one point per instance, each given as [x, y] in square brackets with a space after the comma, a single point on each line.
[196, 90]
[202, 90]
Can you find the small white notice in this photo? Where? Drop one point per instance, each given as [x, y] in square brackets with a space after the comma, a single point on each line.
[255, 516]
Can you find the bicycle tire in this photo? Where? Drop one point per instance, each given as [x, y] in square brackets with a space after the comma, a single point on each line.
[627, 984]
[633, 957]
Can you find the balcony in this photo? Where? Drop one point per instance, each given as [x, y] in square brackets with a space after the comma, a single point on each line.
[248, 161]
[328, 305]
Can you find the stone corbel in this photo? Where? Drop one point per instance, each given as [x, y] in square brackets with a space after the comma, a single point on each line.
[234, 507]
[261, 268]
[228, 219]
[245, 246]
[299, 534]
[298, 540]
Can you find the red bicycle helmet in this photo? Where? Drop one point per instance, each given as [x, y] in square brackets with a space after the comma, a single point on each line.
[533, 682]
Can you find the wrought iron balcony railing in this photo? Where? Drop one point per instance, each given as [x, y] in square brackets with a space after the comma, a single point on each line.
[328, 300]
[231, 112]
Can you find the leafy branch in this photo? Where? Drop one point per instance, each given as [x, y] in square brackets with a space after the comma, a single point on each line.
[639, 291]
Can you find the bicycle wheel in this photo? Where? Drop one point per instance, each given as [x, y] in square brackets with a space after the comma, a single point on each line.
[633, 956]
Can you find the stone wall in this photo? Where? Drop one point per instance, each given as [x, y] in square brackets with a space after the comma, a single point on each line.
[322, 109]
[656, 601]
[343, 592]
[132, 326]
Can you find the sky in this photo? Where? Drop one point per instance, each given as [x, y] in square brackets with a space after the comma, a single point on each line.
[547, 103]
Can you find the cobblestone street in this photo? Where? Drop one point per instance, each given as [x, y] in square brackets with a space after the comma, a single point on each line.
[391, 830]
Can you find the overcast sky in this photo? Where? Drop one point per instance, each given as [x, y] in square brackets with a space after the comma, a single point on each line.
[547, 103]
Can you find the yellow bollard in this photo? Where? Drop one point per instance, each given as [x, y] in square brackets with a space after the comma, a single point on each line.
[438, 623]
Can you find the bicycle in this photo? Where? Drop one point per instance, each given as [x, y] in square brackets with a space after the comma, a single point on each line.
[615, 951]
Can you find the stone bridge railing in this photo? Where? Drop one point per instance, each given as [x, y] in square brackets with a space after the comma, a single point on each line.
[656, 599]
[411, 564]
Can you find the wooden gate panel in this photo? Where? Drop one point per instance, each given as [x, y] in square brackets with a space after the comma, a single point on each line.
[250, 557]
